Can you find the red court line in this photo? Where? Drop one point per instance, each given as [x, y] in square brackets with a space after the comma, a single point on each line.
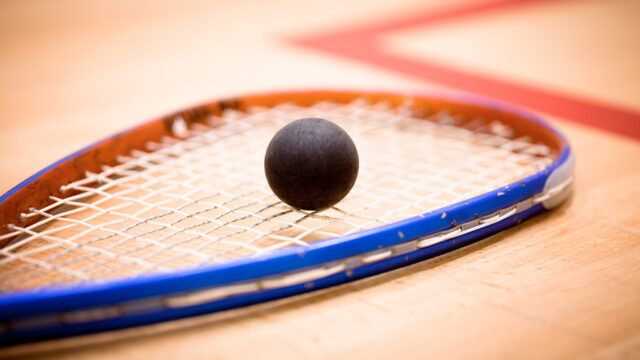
[362, 44]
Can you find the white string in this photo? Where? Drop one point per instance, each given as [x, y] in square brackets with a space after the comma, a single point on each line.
[204, 198]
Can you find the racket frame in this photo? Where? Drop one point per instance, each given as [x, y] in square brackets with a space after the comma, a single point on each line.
[85, 307]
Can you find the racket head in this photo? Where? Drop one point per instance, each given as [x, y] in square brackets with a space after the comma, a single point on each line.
[92, 306]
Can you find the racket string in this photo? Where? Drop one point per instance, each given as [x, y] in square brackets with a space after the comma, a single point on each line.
[201, 197]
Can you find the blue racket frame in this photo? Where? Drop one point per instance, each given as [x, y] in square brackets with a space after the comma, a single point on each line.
[82, 308]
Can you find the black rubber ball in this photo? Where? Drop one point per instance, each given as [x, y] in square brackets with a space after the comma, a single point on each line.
[311, 164]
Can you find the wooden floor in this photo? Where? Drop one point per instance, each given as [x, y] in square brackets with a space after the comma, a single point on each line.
[564, 285]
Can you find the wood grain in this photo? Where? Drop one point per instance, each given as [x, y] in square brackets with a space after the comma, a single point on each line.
[564, 285]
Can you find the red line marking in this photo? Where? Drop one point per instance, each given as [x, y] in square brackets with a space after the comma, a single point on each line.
[362, 44]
